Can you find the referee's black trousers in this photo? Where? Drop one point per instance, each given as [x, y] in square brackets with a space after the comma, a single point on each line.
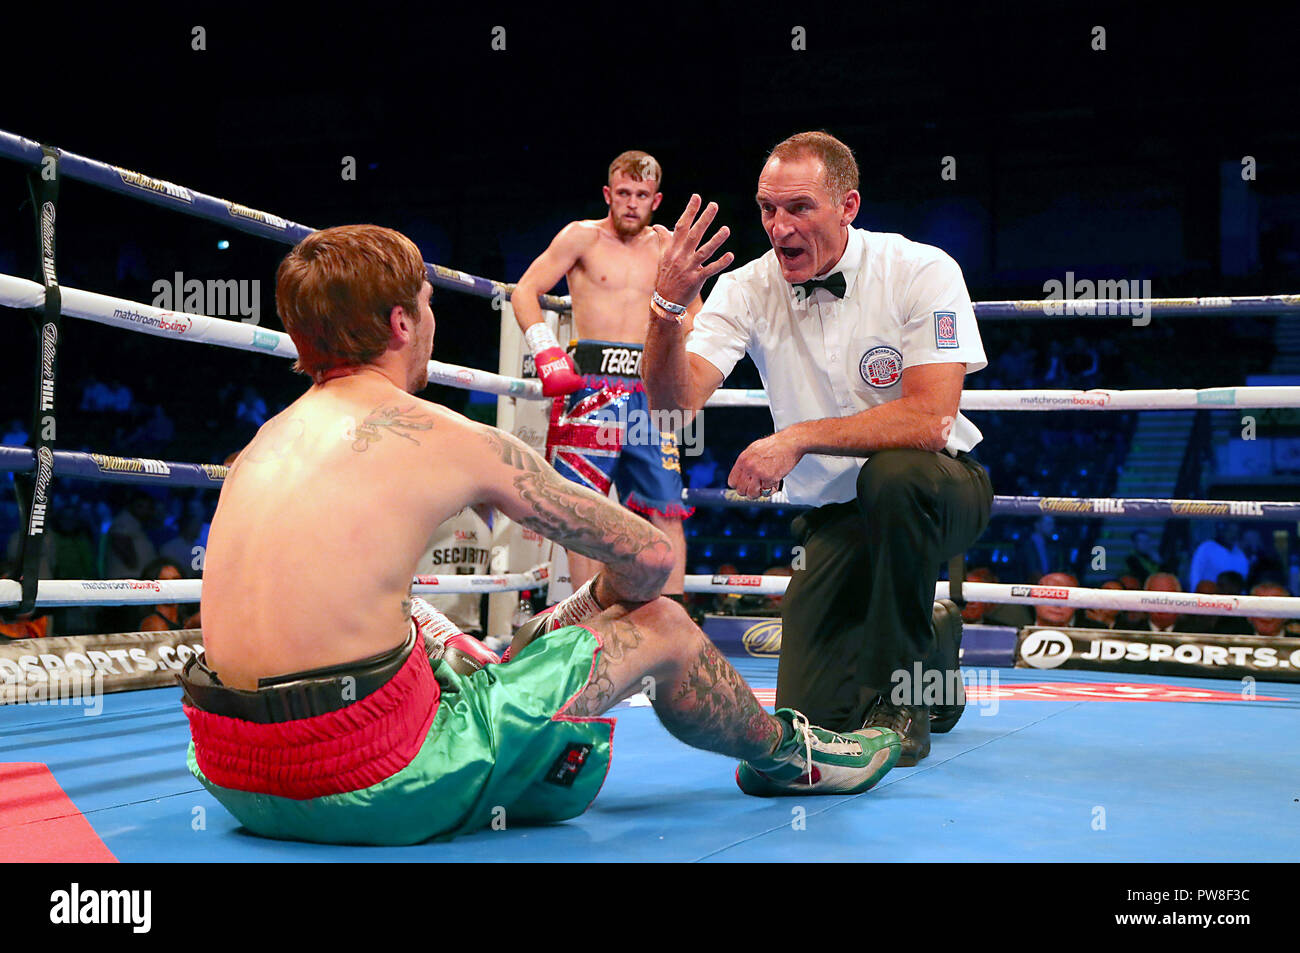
[858, 609]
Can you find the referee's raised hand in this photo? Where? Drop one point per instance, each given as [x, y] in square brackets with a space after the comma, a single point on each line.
[684, 263]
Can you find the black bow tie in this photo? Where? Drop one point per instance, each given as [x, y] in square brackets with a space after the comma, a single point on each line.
[835, 284]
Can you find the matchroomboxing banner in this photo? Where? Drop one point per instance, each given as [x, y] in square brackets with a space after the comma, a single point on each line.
[1154, 653]
[34, 669]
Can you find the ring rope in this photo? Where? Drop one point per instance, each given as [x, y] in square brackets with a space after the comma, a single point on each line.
[53, 593]
[121, 592]
[264, 224]
[1089, 507]
[1184, 603]
[107, 468]
[250, 220]
[137, 316]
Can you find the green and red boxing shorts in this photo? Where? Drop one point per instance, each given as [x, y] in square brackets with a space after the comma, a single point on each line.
[430, 754]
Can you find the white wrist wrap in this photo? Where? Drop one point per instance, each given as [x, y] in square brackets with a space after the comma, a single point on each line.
[540, 337]
[431, 623]
[579, 607]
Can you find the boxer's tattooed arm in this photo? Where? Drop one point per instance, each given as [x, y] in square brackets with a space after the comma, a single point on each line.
[390, 418]
[515, 453]
[633, 551]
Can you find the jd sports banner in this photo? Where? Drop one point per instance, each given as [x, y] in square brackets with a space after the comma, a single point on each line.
[1209, 656]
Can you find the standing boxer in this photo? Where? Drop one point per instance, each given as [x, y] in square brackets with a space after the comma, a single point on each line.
[600, 430]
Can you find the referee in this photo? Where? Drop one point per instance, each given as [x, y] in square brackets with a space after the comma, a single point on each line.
[863, 340]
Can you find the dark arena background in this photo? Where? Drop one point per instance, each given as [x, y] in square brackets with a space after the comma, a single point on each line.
[1148, 153]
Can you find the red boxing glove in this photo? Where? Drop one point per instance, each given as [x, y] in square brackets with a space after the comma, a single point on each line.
[443, 640]
[466, 654]
[555, 369]
[558, 373]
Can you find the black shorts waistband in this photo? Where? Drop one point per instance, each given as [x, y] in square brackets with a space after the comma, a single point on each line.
[281, 698]
[607, 358]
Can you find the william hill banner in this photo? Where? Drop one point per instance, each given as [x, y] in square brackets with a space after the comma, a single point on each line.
[1155, 653]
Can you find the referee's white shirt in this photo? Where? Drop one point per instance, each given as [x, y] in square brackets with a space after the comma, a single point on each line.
[820, 356]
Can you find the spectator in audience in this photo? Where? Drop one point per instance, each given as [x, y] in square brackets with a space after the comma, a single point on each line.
[771, 605]
[1264, 626]
[727, 603]
[129, 546]
[74, 557]
[1265, 563]
[45, 569]
[1101, 618]
[1039, 552]
[1171, 622]
[28, 625]
[1217, 555]
[992, 613]
[1144, 560]
[154, 434]
[703, 471]
[251, 408]
[15, 434]
[1057, 615]
[1229, 583]
[182, 549]
[168, 616]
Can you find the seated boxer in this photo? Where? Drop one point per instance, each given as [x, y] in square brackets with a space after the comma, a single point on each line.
[331, 706]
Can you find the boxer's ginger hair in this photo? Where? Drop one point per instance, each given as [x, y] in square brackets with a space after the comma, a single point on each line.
[637, 165]
[840, 175]
[336, 289]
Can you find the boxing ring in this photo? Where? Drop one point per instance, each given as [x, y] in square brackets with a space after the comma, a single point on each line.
[1047, 764]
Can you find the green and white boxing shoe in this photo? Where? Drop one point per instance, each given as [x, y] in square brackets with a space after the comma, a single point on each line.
[812, 760]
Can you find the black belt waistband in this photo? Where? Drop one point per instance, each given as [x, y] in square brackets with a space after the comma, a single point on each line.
[607, 358]
[298, 695]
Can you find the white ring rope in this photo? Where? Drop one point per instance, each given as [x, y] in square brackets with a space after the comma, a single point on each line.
[80, 592]
[1181, 603]
[222, 332]
[145, 318]
[134, 592]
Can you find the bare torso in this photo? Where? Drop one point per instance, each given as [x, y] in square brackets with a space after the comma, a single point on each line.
[319, 528]
[611, 283]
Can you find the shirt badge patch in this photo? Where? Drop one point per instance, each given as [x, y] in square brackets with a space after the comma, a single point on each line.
[881, 367]
[945, 328]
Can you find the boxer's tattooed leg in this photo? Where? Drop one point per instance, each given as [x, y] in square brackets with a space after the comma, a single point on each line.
[394, 420]
[706, 703]
[617, 676]
[713, 708]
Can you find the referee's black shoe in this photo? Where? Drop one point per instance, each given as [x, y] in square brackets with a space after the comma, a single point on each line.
[910, 722]
[948, 631]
